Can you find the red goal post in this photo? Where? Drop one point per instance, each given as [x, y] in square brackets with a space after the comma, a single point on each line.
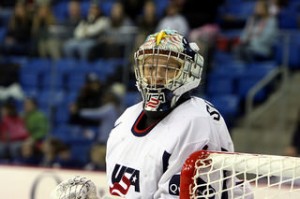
[268, 176]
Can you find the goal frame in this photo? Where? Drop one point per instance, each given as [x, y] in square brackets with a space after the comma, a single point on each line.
[257, 164]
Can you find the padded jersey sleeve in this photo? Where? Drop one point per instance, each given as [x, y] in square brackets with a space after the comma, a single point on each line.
[200, 133]
[191, 140]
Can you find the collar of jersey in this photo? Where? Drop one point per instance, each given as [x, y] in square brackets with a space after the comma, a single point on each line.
[142, 132]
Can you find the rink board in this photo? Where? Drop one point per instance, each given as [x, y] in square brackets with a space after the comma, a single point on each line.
[37, 183]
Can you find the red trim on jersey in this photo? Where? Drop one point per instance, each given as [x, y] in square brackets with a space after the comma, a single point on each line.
[141, 132]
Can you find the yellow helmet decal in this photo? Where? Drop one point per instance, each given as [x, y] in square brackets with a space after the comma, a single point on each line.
[161, 35]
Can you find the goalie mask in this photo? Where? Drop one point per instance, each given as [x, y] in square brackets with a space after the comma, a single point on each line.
[166, 67]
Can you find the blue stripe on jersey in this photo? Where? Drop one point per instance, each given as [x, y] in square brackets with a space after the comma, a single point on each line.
[165, 160]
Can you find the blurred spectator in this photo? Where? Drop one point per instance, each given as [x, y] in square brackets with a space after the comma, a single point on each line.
[65, 159]
[275, 6]
[7, 3]
[50, 149]
[17, 39]
[202, 19]
[74, 14]
[108, 113]
[228, 15]
[174, 20]
[132, 8]
[90, 96]
[12, 131]
[65, 28]
[198, 13]
[42, 2]
[112, 43]
[8, 78]
[258, 36]
[44, 42]
[97, 158]
[146, 22]
[35, 120]
[30, 154]
[206, 37]
[86, 34]
[294, 148]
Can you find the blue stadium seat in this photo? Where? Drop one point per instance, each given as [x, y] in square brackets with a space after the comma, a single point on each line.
[52, 81]
[60, 10]
[50, 97]
[161, 6]
[259, 69]
[219, 85]
[65, 65]
[239, 9]
[81, 152]
[61, 114]
[30, 92]
[85, 6]
[62, 132]
[74, 82]
[221, 57]
[252, 75]
[39, 64]
[29, 80]
[21, 60]
[244, 86]
[105, 68]
[106, 7]
[293, 50]
[131, 98]
[287, 19]
[73, 134]
[229, 70]
[70, 97]
[5, 15]
[228, 106]
[3, 31]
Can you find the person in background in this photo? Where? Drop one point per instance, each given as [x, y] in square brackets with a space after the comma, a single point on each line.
[107, 114]
[97, 158]
[47, 46]
[133, 8]
[65, 159]
[115, 37]
[276, 6]
[174, 20]
[12, 132]
[50, 149]
[17, 40]
[30, 154]
[74, 14]
[64, 29]
[258, 36]
[86, 34]
[198, 13]
[294, 148]
[146, 22]
[36, 121]
[90, 96]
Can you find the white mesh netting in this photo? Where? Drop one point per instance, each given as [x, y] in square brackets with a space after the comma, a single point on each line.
[236, 175]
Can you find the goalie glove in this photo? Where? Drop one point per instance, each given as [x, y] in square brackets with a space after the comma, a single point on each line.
[75, 188]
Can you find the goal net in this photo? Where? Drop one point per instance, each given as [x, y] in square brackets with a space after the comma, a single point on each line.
[212, 175]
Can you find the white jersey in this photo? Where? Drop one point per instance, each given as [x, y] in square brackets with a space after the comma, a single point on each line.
[147, 164]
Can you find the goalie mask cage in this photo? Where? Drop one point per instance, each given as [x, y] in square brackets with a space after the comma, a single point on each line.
[212, 175]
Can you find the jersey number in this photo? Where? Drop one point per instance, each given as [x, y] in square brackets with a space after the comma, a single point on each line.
[213, 112]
